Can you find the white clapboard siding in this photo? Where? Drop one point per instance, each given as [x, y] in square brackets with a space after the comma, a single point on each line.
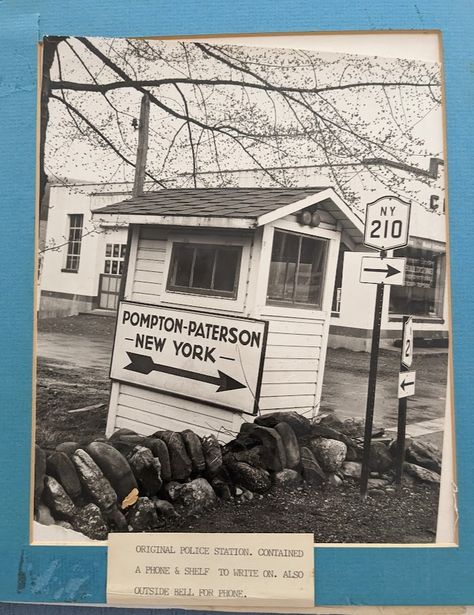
[299, 377]
[148, 275]
[149, 411]
[291, 364]
[291, 402]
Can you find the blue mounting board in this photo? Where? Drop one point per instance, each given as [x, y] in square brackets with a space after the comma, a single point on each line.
[344, 576]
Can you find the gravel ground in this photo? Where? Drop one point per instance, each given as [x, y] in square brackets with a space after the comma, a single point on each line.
[333, 515]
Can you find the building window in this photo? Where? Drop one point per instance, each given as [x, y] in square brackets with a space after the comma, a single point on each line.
[114, 258]
[425, 279]
[205, 269]
[297, 270]
[74, 242]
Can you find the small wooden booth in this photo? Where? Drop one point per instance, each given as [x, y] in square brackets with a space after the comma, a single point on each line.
[226, 305]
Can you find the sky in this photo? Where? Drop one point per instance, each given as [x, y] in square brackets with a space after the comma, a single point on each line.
[410, 119]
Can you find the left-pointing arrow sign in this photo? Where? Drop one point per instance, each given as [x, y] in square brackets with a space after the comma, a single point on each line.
[406, 384]
[144, 364]
[382, 271]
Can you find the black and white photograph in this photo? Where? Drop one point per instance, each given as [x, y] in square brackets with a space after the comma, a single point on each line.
[242, 290]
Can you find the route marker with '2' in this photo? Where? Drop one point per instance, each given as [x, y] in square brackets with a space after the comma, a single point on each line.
[383, 271]
[207, 357]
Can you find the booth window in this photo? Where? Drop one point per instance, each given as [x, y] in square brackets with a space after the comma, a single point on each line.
[74, 242]
[114, 258]
[205, 269]
[297, 270]
[425, 278]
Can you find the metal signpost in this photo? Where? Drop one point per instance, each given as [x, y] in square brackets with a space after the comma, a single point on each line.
[387, 222]
[212, 358]
[406, 388]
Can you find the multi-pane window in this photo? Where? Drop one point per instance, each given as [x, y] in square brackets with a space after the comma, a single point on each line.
[205, 269]
[425, 279]
[114, 258]
[74, 242]
[297, 269]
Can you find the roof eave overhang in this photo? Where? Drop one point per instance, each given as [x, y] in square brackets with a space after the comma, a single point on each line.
[117, 219]
[351, 222]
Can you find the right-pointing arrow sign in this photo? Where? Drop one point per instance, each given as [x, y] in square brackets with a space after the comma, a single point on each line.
[144, 364]
[406, 384]
[382, 271]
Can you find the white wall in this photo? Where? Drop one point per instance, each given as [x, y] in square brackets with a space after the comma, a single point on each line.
[64, 201]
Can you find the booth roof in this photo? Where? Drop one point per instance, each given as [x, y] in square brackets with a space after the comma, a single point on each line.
[230, 208]
[210, 202]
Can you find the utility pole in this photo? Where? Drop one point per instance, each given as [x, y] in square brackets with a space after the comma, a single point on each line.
[139, 181]
[142, 149]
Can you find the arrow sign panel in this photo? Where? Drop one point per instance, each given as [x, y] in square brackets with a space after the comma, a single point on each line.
[406, 384]
[382, 270]
[143, 364]
[205, 357]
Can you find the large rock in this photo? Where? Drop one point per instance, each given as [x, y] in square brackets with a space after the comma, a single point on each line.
[288, 479]
[425, 455]
[290, 444]
[312, 471]
[329, 453]
[181, 465]
[352, 428]
[170, 490]
[250, 477]
[116, 520]
[142, 516]
[68, 447]
[164, 508]
[160, 450]
[253, 456]
[56, 498]
[351, 469]
[192, 442]
[43, 515]
[299, 423]
[380, 457]
[116, 470]
[147, 470]
[195, 497]
[59, 465]
[94, 481]
[421, 474]
[273, 455]
[89, 521]
[212, 454]
[40, 473]
[123, 431]
[222, 487]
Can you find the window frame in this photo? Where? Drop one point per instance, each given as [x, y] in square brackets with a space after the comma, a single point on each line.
[292, 304]
[110, 259]
[70, 255]
[172, 287]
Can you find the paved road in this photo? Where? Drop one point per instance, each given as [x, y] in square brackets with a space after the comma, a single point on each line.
[344, 388]
[78, 351]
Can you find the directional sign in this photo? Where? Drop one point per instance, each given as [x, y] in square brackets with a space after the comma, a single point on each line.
[406, 384]
[387, 223]
[206, 357]
[407, 342]
[383, 270]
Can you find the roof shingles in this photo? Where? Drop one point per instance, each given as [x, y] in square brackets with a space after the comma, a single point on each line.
[210, 202]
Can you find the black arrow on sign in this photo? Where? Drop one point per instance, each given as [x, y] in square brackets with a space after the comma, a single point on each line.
[389, 271]
[405, 384]
[144, 364]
